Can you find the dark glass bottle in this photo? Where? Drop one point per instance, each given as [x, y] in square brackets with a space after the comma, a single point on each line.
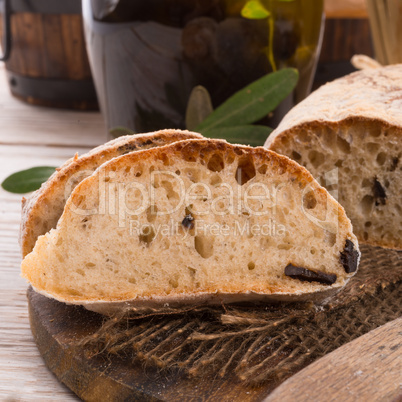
[146, 56]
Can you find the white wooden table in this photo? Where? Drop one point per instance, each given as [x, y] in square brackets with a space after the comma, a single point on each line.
[30, 136]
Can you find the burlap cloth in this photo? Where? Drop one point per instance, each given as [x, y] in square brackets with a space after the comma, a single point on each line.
[264, 343]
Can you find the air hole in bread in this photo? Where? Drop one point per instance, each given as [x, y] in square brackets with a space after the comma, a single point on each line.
[152, 212]
[89, 265]
[304, 136]
[165, 159]
[221, 206]
[178, 172]
[192, 272]
[381, 158]
[188, 156]
[286, 246]
[329, 238]
[193, 175]
[372, 147]
[367, 224]
[80, 272]
[366, 204]
[132, 280]
[203, 246]
[251, 266]
[174, 282]
[215, 179]
[245, 169]
[74, 293]
[309, 200]
[296, 156]
[366, 183]
[285, 141]
[316, 158]
[262, 169]
[365, 236]
[374, 131]
[339, 163]
[216, 163]
[230, 159]
[170, 193]
[147, 234]
[343, 145]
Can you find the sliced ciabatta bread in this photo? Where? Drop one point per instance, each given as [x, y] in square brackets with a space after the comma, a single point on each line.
[195, 221]
[42, 210]
[354, 125]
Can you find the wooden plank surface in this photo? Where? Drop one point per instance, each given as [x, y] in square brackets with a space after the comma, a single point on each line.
[349, 372]
[30, 136]
[21, 123]
[23, 374]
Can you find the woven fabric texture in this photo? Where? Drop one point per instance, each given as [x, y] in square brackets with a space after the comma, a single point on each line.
[258, 343]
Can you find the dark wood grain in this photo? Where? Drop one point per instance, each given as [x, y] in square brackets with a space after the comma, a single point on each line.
[57, 328]
[50, 48]
[343, 38]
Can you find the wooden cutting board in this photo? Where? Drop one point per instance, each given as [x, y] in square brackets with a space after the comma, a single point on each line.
[56, 327]
[371, 363]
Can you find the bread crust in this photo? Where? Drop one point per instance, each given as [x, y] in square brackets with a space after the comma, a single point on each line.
[172, 303]
[191, 150]
[372, 97]
[35, 219]
[367, 95]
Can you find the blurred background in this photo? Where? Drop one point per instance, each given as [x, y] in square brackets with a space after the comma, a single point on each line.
[138, 61]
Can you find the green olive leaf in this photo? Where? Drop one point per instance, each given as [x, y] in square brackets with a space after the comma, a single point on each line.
[27, 180]
[199, 107]
[254, 10]
[119, 131]
[253, 135]
[253, 102]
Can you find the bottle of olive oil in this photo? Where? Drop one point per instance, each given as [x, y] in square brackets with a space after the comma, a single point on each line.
[147, 55]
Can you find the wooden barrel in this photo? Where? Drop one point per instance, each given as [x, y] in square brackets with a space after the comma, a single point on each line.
[47, 63]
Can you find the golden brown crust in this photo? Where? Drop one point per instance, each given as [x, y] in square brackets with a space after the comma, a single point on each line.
[171, 303]
[368, 95]
[278, 136]
[41, 211]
